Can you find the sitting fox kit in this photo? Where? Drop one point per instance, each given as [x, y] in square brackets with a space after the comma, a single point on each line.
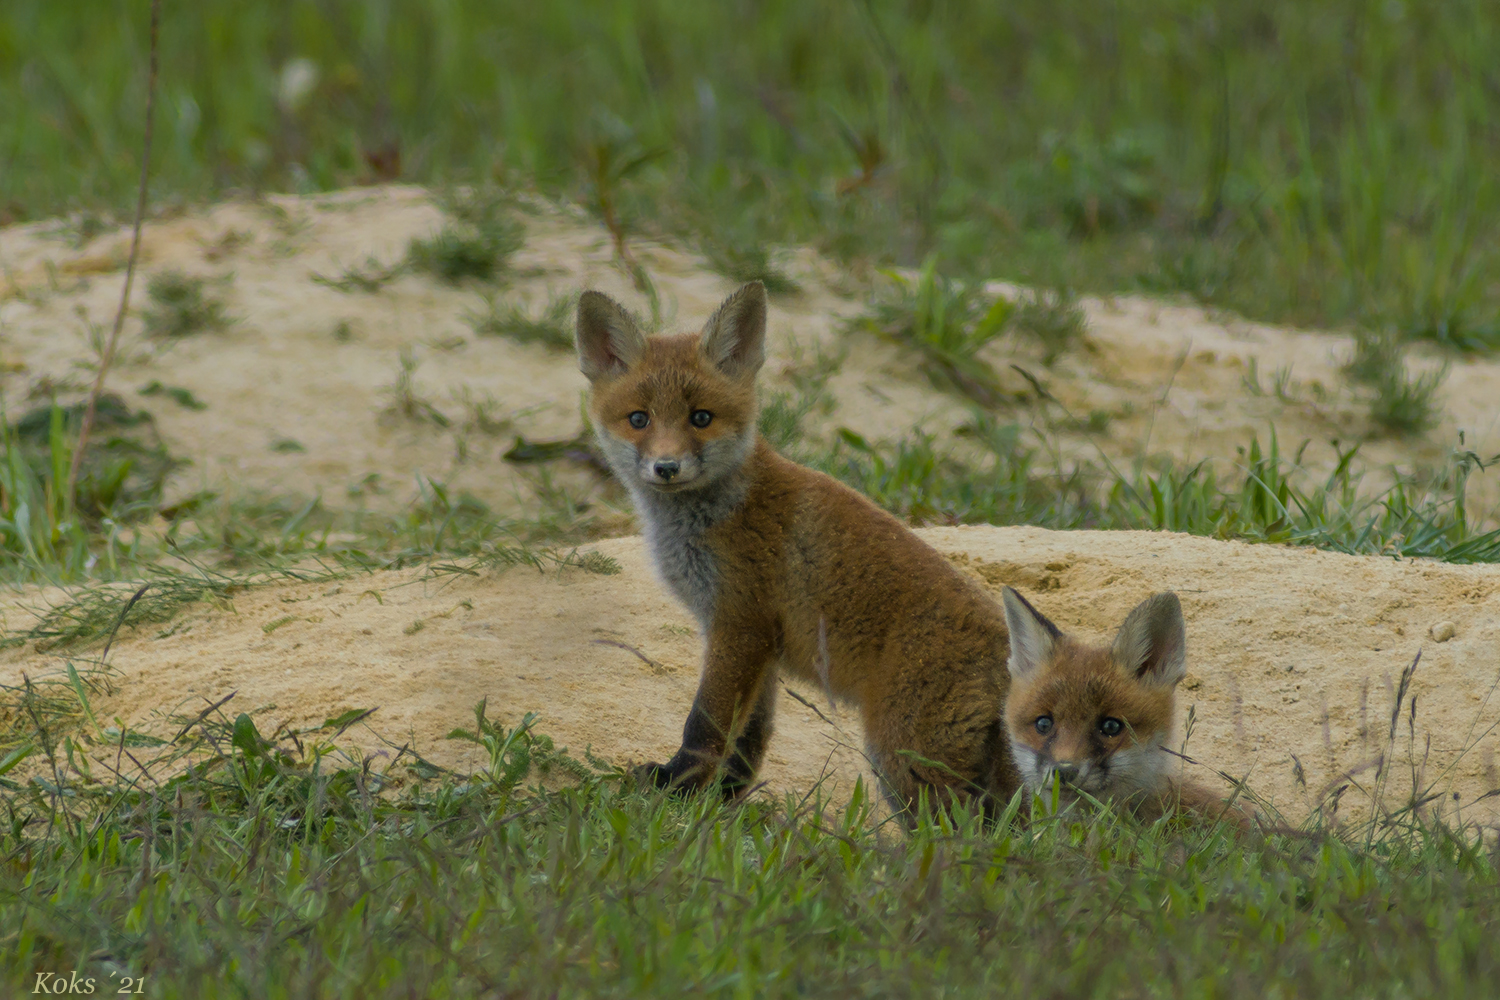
[1095, 718]
[785, 567]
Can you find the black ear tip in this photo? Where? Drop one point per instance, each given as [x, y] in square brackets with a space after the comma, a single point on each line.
[752, 293]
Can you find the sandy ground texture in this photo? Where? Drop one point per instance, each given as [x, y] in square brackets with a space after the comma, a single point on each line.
[1295, 653]
[305, 363]
[1294, 659]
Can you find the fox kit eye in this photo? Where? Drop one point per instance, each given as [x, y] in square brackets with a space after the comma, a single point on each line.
[639, 419]
[701, 418]
[1111, 727]
[1044, 724]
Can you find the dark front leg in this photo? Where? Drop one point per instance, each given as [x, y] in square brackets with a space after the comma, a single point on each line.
[750, 747]
[734, 707]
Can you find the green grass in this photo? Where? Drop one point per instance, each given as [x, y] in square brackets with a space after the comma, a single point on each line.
[1052, 319]
[1001, 480]
[552, 327]
[45, 533]
[182, 397]
[1398, 402]
[1320, 163]
[280, 865]
[369, 277]
[478, 244]
[180, 307]
[947, 323]
[743, 262]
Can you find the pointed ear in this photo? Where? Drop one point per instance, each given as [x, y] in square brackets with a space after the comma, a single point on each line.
[608, 340]
[1032, 636]
[1152, 644]
[734, 338]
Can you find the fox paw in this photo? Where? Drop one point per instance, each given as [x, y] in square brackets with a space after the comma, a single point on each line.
[671, 777]
[651, 775]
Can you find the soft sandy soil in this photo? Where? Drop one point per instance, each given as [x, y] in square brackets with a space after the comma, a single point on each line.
[1170, 377]
[1295, 653]
[1294, 659]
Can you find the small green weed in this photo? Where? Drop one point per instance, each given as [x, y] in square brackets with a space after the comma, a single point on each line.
[552, 327]
[182, 397]
[1407, 405]
[1052, 319]
[405, 400]
[46, 534]
[613, 155]
[478, 244]
[1283, 387]
[750, 262]
[1398, 402]
[180, 306]
[369, 277]
[947, 323]
[456, 253]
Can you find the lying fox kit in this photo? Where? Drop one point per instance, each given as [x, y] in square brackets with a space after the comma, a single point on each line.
[786, 568]
[1096, 718]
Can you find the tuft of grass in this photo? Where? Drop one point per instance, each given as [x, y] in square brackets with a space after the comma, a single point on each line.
[182, 397]
[405, 401]
[1398, 402]
[48, 533]
[478, 244]
[552, 327]
[947, 323]
[369, 277]
[744, 262]
[181, 307]
[1053, 319]
[1406, 405]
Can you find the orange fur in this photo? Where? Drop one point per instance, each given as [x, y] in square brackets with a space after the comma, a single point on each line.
[1098, 718]
[786, 568]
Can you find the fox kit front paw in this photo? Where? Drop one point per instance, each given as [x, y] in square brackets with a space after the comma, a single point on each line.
[685, 777]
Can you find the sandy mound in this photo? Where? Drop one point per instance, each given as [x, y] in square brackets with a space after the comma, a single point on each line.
[1294, 657]
[308, 364]
[1295, 653]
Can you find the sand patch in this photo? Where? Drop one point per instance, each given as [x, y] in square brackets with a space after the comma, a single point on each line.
[306, 363]
[1294, 655]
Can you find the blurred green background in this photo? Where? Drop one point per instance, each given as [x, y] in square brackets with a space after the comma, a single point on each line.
[1309, 161]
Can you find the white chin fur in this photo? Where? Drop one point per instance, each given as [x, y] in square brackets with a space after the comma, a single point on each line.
[1132, 770]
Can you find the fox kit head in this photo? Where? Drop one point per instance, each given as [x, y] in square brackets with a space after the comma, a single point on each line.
[1093, 716]
[673, 413]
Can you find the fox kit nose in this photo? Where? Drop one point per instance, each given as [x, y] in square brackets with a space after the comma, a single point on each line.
[666, 469]
[1067, 771]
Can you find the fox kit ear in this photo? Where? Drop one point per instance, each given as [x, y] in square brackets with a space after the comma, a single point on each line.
[734, 338]
[1152, 644]
[608, 341]
[1032, 636]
